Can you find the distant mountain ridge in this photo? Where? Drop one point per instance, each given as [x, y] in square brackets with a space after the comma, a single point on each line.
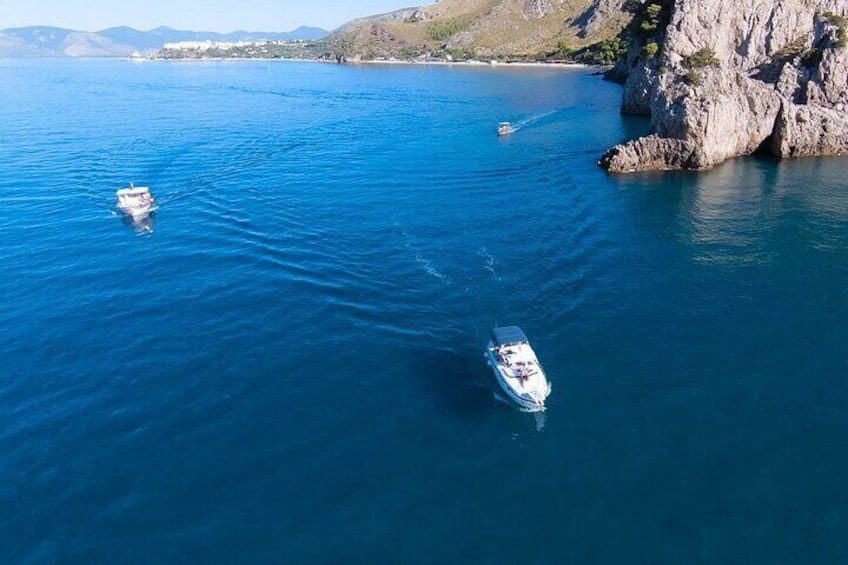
[484, 29]
[123, 41]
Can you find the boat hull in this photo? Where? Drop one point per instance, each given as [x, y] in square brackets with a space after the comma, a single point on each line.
[138, 213]
[135, 202]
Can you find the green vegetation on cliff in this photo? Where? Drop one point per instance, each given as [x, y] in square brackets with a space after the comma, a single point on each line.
[840, 23]
[579, 30]
[700, 59]
[441, 30]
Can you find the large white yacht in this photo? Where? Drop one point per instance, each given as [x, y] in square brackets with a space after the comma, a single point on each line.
[517, 369]
[136, 201]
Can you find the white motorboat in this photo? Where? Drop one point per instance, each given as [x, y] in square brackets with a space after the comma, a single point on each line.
[517, 369]
[505, 128]
[136, 201]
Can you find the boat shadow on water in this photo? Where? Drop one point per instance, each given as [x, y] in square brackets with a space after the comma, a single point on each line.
[460, 386]
[465, 387]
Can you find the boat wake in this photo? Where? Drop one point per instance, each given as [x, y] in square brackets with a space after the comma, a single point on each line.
[540, 416]
[489, 263]
[541, 419]
[429, 268]
[425, 263]
[521, 124]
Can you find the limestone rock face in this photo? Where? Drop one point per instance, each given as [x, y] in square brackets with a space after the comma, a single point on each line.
[651, 153]
[538, 8]
[734, 77]
[829, 85]
[803, 130]
[638, 90]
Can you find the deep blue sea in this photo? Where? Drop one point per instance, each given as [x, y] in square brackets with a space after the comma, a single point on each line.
[284, 365]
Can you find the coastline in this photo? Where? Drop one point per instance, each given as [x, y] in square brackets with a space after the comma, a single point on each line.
[474, 63]
[387, 62]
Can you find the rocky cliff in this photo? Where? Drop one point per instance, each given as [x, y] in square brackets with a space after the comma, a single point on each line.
[726, 78]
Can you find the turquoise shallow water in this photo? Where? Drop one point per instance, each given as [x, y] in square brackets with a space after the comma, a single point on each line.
[285, 364]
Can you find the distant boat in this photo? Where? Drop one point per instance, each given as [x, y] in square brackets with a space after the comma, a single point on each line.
[136, 201]
[505, 128]
[517, 369]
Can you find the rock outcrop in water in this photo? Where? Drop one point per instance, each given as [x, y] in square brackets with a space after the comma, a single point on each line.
[727, 78]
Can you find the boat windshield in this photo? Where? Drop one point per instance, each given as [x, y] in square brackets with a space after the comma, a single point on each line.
[508, 335]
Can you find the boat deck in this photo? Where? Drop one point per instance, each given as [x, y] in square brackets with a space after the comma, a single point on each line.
[518, 364]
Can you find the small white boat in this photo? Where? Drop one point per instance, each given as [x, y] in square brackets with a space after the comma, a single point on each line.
[136, 201]
[517, 369]
[505, 128]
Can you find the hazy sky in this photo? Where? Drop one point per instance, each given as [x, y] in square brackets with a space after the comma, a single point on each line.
[209, 15]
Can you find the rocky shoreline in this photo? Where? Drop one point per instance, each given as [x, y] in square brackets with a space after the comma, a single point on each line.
[729, 79]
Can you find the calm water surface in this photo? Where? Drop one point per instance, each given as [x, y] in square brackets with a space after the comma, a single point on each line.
[285, 364]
